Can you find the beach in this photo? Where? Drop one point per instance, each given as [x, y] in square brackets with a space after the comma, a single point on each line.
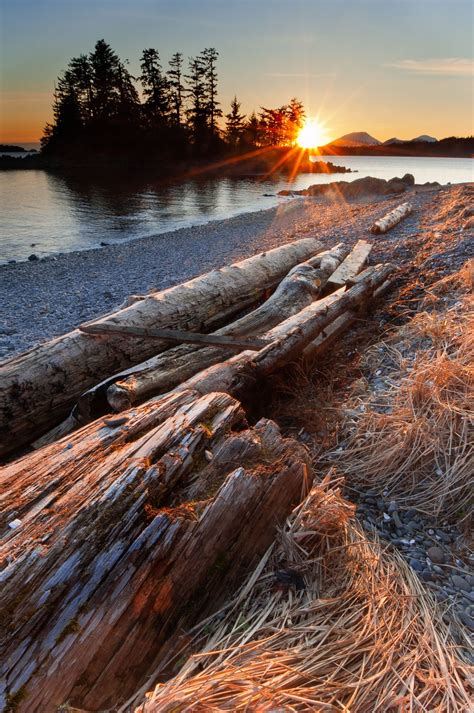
[45, 298]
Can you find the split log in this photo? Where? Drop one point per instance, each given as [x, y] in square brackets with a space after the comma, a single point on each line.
[38, 387]
[390, 219]
[352, 265]
[113, 556]
[300, 287]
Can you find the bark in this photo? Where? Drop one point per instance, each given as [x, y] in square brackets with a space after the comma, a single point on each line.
[115, 555]
[39, 386]
[301, 286]
[352, 265]
[391, 219]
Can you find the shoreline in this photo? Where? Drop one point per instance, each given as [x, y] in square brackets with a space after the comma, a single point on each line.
[49, 297]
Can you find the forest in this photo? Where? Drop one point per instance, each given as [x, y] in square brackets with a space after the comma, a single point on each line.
[173, 112]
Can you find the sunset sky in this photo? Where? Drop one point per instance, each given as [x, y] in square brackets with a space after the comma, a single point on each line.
[389, 67]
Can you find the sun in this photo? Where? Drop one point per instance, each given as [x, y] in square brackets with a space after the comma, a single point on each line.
[311, 135]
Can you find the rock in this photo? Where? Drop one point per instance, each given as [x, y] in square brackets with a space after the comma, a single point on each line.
[103, 244]
[12, 262]
[426, 576]
[33, 257]
[438, 569]
[460, 583]
[467, 620]
[436, 555]
[417, 566]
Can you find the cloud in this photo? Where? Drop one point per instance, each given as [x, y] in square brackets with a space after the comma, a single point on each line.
[444, 66]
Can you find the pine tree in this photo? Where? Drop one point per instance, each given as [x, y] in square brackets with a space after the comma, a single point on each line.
[235, 124]
[213, 112]
[197, 111]
[155, 87]
[252, 131]
[105, 78]
[175, 82]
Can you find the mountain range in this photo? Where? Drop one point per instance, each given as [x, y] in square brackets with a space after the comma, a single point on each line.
[362, 138]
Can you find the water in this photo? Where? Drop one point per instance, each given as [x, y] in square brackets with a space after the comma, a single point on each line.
[45, 213]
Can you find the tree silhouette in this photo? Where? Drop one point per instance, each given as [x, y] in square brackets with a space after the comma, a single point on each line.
[213, 112]
[155, 88]
[175, 81]
[197, 111]
[97, 107]
[235, 124]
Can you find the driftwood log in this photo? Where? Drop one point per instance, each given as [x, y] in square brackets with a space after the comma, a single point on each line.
[351, 266]
[108, 558]
[391, 219]
[163, 372]
[38, 387]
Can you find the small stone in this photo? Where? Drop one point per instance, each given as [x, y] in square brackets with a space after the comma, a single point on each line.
[396, 519]
[436, 555]
[460, 583]
[437, 569]
[417, 566]
[103, 244]
[426, 576]
[33, 257]
[431, 532]
[467, 620]
[14, 524]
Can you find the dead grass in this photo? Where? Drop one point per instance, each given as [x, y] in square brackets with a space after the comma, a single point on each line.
[363, 635]
[413, 436]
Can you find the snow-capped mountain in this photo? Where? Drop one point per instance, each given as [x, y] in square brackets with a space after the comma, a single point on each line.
[425, 137]
[356, 138]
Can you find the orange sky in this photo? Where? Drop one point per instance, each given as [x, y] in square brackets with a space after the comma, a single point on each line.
[392, 68]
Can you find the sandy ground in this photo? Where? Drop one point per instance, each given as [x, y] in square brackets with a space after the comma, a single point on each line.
[49, 297]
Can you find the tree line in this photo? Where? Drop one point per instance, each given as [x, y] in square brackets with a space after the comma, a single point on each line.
[98, 107]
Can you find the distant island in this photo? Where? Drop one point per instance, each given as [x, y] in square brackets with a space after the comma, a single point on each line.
[15, 149]
[173, 122]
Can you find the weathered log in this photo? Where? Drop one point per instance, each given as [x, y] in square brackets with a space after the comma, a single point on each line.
[300, 287]
[352, 265]
[391, 219]
[112, 556]
[38, 387]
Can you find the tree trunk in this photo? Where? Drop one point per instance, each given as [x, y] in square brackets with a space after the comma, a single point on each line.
[128, 534]
[39, 386]
[300, 287]
[391, 219]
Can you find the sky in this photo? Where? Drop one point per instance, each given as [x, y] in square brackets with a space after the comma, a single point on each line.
[389, 67]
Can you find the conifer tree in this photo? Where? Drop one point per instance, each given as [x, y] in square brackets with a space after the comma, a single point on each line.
[235, 124]
[155, 87]
[175, 81]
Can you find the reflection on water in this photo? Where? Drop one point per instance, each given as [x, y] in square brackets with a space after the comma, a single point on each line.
[48, 213]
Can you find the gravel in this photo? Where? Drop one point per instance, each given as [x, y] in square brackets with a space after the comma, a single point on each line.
[53, 295]
[445, 568]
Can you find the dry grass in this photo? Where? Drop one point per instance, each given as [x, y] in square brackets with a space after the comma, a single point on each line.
[414, 436]
[363, 636]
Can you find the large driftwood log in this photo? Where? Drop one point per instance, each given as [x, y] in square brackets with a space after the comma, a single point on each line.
[288, 340]
[391, 219]
[113, 556]
[300, 287]
[38, 387]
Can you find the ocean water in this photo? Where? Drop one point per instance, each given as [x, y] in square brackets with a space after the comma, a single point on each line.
[45, 213]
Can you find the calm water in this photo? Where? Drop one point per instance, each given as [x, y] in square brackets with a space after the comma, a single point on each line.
[44, 214]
